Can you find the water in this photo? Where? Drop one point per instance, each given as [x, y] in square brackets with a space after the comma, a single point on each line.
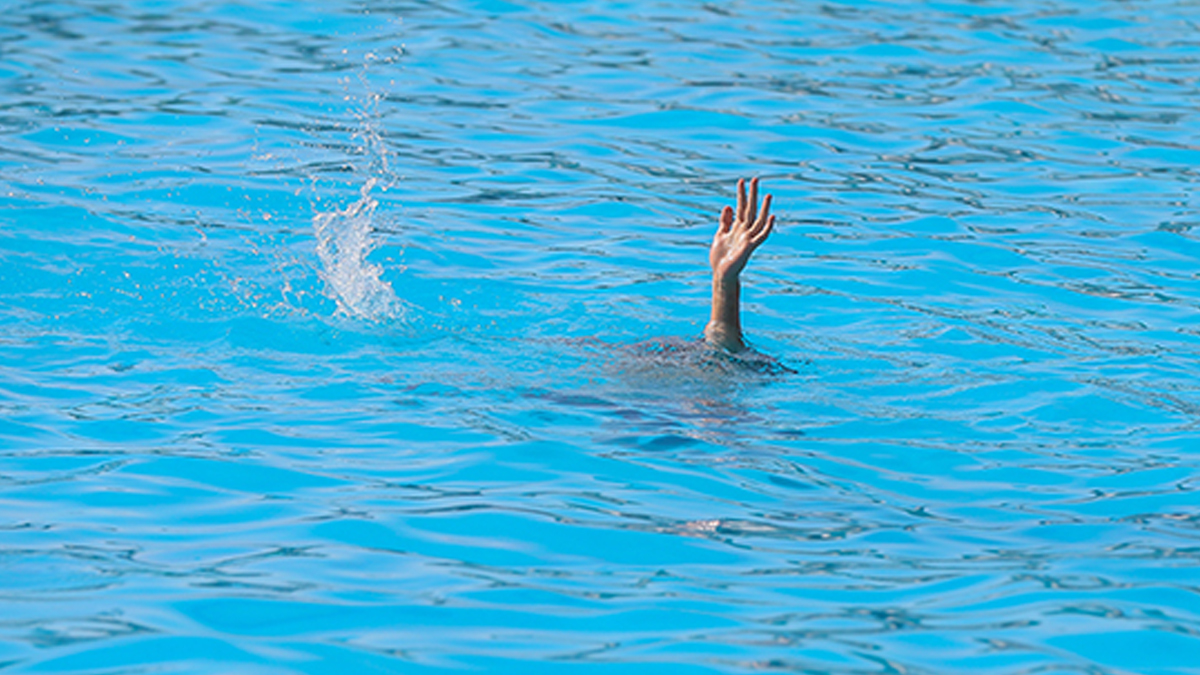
[340, 337]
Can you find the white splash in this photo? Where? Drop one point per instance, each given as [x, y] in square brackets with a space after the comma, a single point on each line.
[344, 239]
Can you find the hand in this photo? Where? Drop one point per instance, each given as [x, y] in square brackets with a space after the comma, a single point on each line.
[740, 234]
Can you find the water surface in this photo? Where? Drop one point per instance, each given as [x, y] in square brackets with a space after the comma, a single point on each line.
[332, 338]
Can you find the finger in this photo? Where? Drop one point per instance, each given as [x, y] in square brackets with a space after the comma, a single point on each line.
[766, 232]
[766, 209]
[741, 203]
[726, 219]
[763, 215]
[761, 236]
[752, 209]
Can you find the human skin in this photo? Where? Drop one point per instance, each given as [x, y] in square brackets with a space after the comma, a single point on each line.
[739, 234]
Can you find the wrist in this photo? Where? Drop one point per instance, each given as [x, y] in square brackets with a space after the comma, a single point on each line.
[725, 280]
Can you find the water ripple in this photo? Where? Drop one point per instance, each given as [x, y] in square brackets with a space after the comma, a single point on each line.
[362, 337]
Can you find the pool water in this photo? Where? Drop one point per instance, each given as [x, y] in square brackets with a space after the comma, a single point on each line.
[355, 337]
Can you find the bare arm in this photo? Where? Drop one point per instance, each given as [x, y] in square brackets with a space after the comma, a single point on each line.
[738, 235]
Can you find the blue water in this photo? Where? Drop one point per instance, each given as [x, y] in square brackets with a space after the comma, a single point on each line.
[332, 338]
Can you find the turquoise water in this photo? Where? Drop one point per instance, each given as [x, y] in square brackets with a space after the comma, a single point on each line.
[324, 338]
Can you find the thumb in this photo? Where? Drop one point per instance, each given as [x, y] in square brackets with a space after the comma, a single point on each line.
[726, 219]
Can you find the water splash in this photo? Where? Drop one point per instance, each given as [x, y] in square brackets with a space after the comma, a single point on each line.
[345, 237]
[344, 240]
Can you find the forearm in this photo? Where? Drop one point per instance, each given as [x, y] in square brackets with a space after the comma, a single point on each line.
[724, 329]
[736, 238]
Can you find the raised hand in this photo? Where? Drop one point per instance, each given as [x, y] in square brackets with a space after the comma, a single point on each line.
[740, 233]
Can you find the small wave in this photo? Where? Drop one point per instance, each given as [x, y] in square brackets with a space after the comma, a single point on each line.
[344, 240]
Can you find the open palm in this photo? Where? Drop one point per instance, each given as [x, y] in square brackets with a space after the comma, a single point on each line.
[740, 232]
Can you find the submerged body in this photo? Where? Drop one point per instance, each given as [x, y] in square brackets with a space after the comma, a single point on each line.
[701, 356]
